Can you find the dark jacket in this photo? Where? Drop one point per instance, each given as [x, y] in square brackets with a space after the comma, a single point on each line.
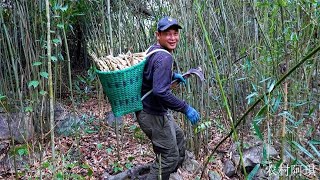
[157, 75]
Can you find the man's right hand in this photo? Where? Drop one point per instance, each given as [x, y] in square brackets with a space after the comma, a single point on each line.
[192, 115]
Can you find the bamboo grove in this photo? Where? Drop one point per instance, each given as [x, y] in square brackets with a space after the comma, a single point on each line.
[255, 56]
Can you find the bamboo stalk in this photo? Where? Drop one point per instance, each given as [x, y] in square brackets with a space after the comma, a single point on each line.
[69, 65]
[50, 87]
[285, 89]
[110, 27]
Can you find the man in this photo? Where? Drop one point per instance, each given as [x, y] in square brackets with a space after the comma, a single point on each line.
[167, 137]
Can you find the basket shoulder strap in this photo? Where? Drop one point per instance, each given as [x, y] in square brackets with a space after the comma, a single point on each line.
[150, 53]
[157, 50]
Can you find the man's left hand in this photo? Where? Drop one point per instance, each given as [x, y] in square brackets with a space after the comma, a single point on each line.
[179, 78]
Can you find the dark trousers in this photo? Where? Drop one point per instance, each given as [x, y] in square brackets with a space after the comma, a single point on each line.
[168, 143]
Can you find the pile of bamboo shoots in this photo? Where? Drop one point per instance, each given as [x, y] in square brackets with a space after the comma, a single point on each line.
[122, 61]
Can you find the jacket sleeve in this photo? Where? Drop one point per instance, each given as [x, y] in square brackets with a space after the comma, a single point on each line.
[162, 77]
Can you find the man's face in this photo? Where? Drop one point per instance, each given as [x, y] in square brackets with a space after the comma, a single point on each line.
[168, 38]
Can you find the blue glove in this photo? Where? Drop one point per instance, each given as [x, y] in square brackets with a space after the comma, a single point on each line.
[179, 78]
[192, 115]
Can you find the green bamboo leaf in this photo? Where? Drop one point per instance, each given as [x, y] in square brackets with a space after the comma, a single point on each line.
[44, 74]
[251, 96]
[56, 6]
[271, 86]
[314, 149]
[64, 8]
[294, 158]
[315, 142]
[240, 79]
[23, 151]
[42, 92]
[288, 116]
[248, 64]
[208, 124]
[61, 26]
[282, 3]
[303, 149]
[264, 80]
[60, 57]
[196, 130]
[89, 169]
[71, 165]
[294, 37]
[265, 154]
[254, 87]
[298, 123]
[56, 41]
[262, 4]
[299, 104]
[278, 164]
[311, 111]
[257, 130]
[2, 97]
[253, 172]
[262, 111]
[33, 84]
[276, 103]
[60, 176]
[28, 109]
[71, 28]
[53, 58]
[38, 63]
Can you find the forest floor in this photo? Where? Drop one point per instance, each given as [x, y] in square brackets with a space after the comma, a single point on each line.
[100, 151]
[94, 150]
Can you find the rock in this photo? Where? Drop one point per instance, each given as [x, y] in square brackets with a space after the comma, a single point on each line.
[68, 124]
[137, 172]
[213, 175]
[254, 155]
[175, 176]
[105, 176]
[261, 174]
[21, 126]
[111, 120]
[236, 159]
[59, 112]
[228, 168]
[274, 177]
[271, 151]
[190, 164]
